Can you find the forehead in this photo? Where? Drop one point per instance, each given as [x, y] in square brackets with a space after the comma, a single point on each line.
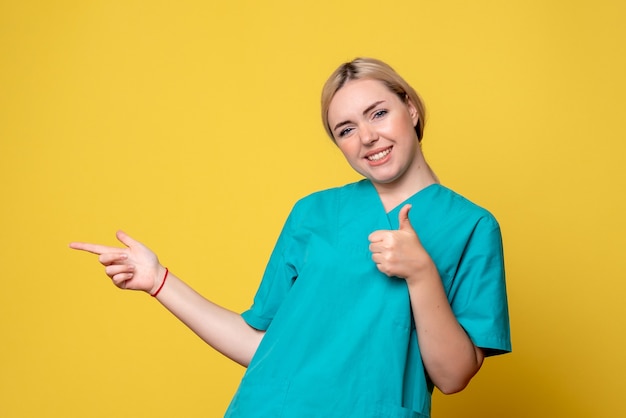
[356, 96]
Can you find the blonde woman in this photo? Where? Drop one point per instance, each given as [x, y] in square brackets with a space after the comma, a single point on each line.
[376, 291]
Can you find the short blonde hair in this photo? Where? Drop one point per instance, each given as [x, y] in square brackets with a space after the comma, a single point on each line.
[370, 68]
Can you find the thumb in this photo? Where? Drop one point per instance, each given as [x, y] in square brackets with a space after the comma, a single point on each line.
[125, 239]
[404, 224]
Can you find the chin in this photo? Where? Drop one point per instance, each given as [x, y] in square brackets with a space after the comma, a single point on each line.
[384, 180]
[380, 178]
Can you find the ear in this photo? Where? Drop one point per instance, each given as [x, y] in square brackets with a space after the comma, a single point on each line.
[412, 111]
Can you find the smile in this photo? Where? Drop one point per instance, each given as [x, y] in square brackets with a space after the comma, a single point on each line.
[379, 155]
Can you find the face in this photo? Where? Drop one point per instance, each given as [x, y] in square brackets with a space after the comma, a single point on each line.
[375, 130]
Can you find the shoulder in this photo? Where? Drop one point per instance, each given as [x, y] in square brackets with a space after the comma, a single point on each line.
[452, 205]
[323, 208]
[327, 198]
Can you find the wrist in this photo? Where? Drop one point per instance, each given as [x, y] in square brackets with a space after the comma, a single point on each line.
[159, 281]
[424, 272]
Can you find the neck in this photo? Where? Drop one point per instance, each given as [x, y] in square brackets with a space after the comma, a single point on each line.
[396, 192]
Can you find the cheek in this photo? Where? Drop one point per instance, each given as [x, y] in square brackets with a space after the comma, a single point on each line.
[347, 148]
[404, 131]
[399, 126]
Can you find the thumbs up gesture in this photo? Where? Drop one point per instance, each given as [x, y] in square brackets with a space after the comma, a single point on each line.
[399, 253]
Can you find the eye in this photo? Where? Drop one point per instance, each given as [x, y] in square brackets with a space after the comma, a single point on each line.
[344, 132]
[379, 114]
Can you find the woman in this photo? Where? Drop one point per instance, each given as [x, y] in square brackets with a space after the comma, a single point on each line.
[375, 291]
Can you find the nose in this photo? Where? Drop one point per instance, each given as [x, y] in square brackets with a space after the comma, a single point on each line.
[368, 134]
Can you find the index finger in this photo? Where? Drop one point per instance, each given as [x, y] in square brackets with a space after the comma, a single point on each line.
[376, 236]
[93, 248]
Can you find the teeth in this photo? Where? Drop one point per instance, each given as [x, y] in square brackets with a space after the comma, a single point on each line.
[379, 155]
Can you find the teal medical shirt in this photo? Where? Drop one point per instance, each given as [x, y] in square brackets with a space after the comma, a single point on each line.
[340, 338]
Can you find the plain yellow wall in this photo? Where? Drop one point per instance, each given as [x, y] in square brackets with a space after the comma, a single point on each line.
[194, 126]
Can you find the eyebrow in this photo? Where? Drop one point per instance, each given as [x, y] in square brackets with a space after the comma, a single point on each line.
[365, 112]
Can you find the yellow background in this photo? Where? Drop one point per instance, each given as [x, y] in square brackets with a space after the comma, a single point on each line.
[194, 126]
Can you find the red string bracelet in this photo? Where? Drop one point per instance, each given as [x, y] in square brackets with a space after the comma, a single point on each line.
[162, 283]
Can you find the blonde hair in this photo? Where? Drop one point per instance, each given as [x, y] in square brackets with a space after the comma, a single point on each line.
[370, 68]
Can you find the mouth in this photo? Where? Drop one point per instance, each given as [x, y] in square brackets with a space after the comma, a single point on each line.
[378, 155]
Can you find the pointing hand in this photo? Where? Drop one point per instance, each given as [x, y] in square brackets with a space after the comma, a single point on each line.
[133, 267]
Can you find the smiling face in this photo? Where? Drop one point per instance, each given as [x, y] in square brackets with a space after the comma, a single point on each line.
[375, 130]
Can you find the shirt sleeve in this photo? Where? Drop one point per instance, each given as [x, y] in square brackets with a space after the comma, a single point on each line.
[478, 294]
[280, 274]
